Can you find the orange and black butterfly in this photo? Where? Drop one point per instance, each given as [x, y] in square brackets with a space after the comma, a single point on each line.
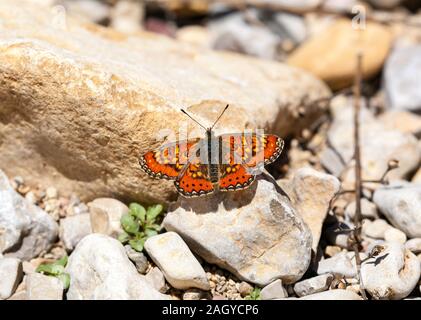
[227, 162]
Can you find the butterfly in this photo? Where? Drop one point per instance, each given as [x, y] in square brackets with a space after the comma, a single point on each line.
[227, 162]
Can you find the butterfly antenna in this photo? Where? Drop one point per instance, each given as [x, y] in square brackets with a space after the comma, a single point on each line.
[184, 111]
[226, 107]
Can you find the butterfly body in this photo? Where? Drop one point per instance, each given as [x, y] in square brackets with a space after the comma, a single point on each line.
[227, 162]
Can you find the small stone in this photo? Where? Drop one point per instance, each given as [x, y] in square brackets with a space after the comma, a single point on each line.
[127, 16]
[339, 264]
[272, 291]
[401, 204]
[392, 273]
[139, 259]
[31, 197]
[356, 288]
[414, 245]
[51, 193]
[338, 47]
[73, 229]
[41, 287]
[332, 162]
[173, 256]
[313, 285]
[156, 279]
[400, 77]
[105, 216]
[194, 294]
[368, 210]
[26, 230]
[10, 276]
[375, 229]
[394, 235]
[336, 294]
[245, 288]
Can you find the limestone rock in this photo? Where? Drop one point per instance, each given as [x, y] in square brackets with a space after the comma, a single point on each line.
[255, 233]
[340, 264]
[330, 55]
[10, 276]
[313, 285]
[401, 204]
[99, 269]
[274, 290]
[392, 274]
[41, 287]
[310, 192]
[174, 258]
[90, 100]
[156, 279]
[105, 216]
[73, 229]
[26, 229]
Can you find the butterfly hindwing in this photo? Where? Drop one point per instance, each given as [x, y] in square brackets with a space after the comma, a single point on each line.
[195, 181]
[234, 177]
[168, 161]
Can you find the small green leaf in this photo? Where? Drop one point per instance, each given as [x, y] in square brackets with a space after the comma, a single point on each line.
[137, 244]
[137, 211]
[123, 237]
[62, 261]
[154, 226]
[51, 269]
[153, 212]
[150, 232]
[129, 223]
[254, 295]
[65, 279]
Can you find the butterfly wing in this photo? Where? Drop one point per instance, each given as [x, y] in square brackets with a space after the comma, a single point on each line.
[168, 161]
[194, 181]
[243, 155]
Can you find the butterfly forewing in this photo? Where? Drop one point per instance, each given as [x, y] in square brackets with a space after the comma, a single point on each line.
[170, 160]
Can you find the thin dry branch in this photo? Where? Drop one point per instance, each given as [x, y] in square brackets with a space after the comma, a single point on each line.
[355, 235]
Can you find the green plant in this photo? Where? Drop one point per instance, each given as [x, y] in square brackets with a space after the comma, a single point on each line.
[254, 295]
[139, 224]
[56, 269]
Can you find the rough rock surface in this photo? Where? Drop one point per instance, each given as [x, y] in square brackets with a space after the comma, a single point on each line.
[26, 230]
[41, 287]
[73, 229]
[255, 233]
[105, 216]
[310, 192]
[313, 285]
[10, 276]
[100, 269]
[274, 290]
[177, 262]
[392, 274]
[90, 100]
[401, 204]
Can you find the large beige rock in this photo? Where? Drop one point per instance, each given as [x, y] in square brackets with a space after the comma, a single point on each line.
[331, 54]
[80, 103]
[255, 233]
[311, 192]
